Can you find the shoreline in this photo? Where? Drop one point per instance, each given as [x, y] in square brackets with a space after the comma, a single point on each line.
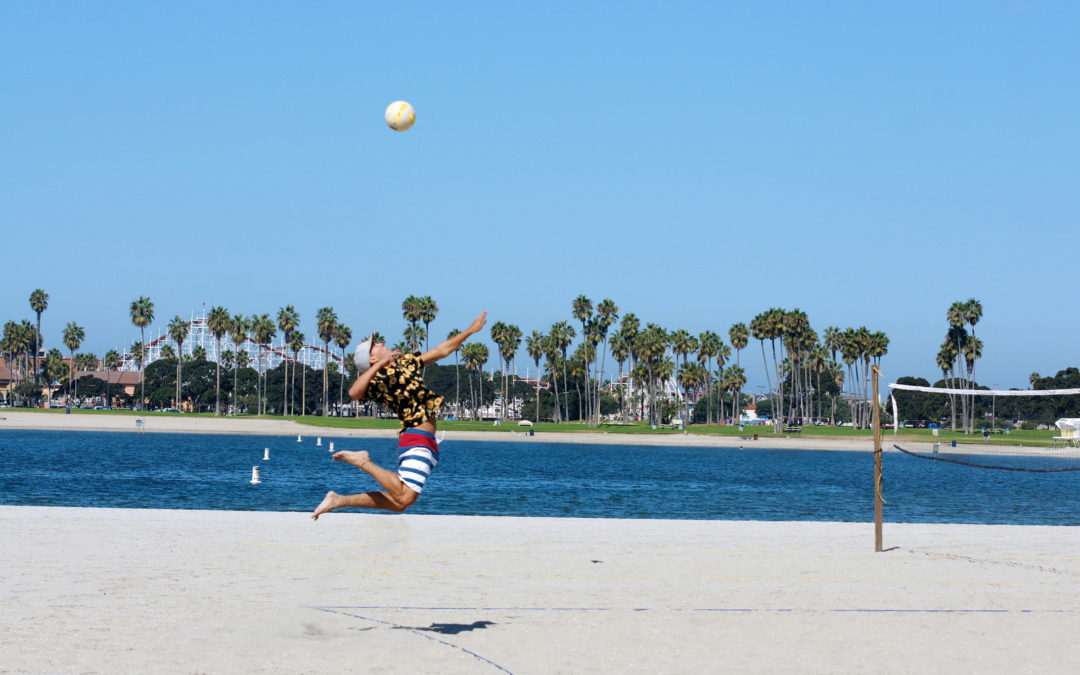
[31, 421]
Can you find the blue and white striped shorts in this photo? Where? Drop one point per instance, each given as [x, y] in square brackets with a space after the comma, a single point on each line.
[418, 455]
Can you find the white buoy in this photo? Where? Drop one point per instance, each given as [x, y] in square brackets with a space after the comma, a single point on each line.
[298, 439]
[318, 441]
[255, 475]
[266, 454]
[331, 446]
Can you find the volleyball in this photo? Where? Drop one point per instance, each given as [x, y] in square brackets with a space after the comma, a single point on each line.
[400, 116]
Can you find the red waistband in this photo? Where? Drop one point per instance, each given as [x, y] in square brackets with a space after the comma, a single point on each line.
[413, 439]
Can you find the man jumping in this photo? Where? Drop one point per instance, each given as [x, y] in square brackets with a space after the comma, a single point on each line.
[396, 381]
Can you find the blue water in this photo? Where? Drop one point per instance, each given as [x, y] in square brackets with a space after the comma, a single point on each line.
[189, 471]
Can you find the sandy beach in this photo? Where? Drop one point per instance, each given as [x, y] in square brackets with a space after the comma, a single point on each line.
[119, 590]
[226, 425]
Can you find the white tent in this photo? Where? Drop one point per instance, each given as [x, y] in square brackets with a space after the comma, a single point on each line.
[1069, 427]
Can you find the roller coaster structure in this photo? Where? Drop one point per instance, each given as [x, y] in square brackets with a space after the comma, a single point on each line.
[260, 357]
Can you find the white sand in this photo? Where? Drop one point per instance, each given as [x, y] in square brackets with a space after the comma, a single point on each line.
[141, 591]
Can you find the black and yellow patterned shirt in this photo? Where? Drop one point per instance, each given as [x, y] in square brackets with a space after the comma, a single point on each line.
[400, 387]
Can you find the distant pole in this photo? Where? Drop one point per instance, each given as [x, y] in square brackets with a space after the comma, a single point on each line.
[877, 462]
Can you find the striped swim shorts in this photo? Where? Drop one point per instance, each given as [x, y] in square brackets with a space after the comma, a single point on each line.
[418, 454]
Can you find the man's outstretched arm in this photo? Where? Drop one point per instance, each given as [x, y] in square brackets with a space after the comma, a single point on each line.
[453, 344]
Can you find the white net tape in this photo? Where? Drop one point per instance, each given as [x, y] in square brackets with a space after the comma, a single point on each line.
[987, 392]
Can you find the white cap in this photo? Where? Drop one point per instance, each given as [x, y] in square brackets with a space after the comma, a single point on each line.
[362, 358]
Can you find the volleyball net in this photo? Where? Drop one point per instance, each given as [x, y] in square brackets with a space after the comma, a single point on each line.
[1015, 430]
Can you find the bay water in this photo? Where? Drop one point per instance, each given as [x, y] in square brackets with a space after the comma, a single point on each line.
[522, 478]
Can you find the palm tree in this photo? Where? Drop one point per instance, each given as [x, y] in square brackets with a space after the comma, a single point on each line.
[8, 348]
[682, 345]
[734, 381]
[55, 369]
[142, 315]
[287, 320]
[508, 352]
[606, 313]
[551, 353]
[579, 370]
[650, 346]
[218, 321]
[709, 344]
[581, 309]
[498, 336]
[620, 351]
[73, 337]
[427, 311]
[342, 338]
[506, 338]
[457, 376]
[39, 302]
[818, 362]
[534, 345]
[325, 323]
[178, 331]
[723, 353]
[972, 314]
[561, 335]
[238, 330]
[475, 355]
[691, 378]
[831, 340]
[112, 363]
[836, 373]
[629, 328]
[739, 336]
[263, 330]
[413, 335]
[412, 310]
[296, 344]
[946, 360]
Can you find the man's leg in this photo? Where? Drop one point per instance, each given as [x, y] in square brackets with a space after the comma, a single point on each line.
[396, 496]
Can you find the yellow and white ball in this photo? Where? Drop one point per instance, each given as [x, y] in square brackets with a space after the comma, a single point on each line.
[400, 116]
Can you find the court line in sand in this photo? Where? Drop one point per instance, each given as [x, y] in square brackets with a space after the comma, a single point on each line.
[414, 631]
[799, 610]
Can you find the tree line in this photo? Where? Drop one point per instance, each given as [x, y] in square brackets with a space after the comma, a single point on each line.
[808, 375]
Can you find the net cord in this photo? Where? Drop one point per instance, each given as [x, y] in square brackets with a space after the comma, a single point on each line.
[982, 466]
[986, 392]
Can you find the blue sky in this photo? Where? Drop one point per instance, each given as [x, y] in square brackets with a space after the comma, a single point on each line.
[697, 162]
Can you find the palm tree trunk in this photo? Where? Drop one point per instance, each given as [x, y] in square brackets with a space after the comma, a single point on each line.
[217, 381]
[537, 392]
[142, 368]
[325, 378]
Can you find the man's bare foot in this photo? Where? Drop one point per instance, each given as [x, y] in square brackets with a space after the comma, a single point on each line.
[357, 458]
[331, 501]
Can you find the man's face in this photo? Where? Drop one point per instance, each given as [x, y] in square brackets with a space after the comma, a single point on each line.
[378, 351]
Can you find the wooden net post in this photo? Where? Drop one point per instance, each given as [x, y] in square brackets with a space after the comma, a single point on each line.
[878, 500]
